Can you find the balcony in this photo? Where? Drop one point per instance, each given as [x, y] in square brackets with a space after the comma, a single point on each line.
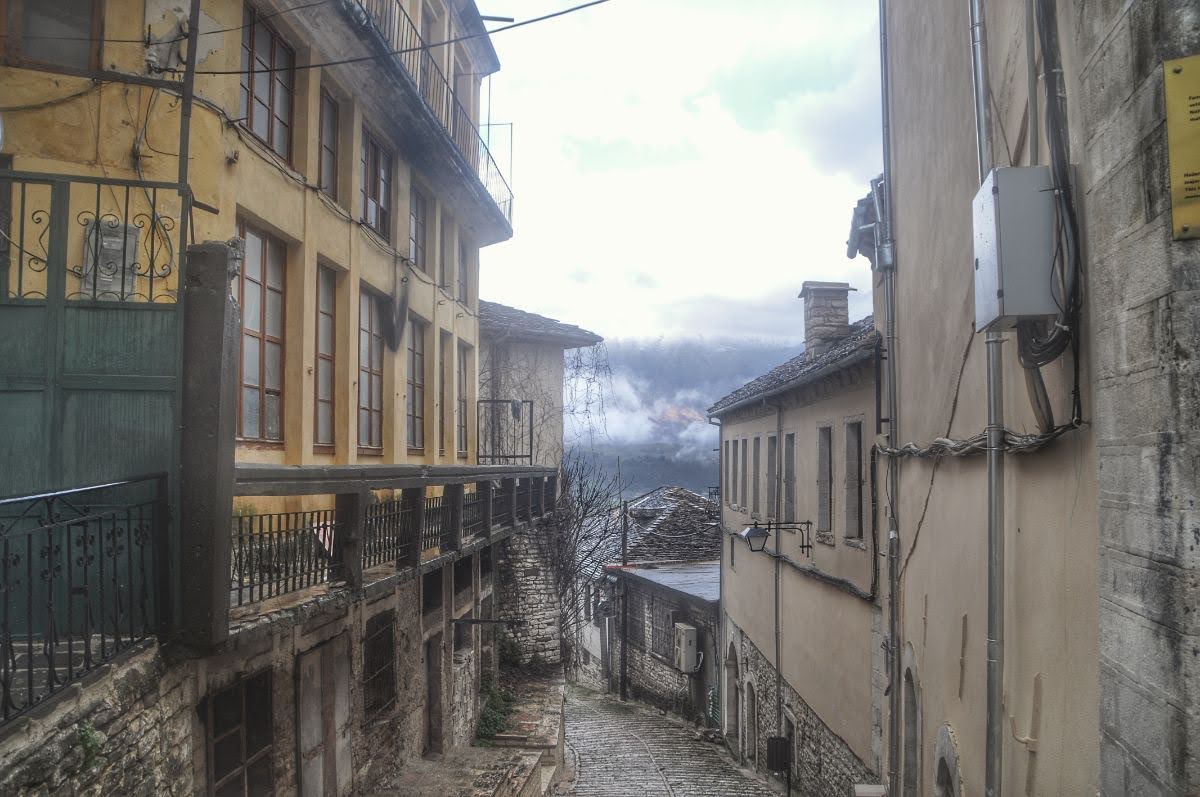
[398, 33]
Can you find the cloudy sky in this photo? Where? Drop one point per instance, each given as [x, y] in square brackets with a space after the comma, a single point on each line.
[681, 166]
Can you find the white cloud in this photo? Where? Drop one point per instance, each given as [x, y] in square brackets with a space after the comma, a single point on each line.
[683, 165]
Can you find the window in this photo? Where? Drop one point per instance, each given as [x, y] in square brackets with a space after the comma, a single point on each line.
[445, 354]
[267, 74]
[416, 384]
[824, 478]
[789, 478]
[742, 491]
[854, 504]
[370, 372]
[323, 382]
[463, 638]
[463, 270]
[733, 475]
[260, 294]
[379, 663]
[376, 185]
[772, 475]
[240, 737]
[327, 177]
[636, 608]
[62, 33]
[461, 388]
[446, 254]
[417, 218]
[725, 476]
[431, 591]
[732, 542]
[755, 490]
[662, 626]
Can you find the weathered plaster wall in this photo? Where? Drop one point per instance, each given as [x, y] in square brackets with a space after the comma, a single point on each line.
[527, 592]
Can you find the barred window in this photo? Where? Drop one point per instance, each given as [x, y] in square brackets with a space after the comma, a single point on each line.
[637, 618]
[824, 478]
[240, 737]
[662, 618]
[379, 663]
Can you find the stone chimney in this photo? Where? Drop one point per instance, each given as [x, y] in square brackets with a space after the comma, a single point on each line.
[826, 316]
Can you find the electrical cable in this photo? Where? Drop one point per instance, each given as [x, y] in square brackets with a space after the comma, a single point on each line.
[96, 86]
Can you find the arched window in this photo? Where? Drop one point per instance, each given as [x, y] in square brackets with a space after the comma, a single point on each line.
[947, 778]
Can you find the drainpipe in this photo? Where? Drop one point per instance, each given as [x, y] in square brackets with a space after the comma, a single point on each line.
[885, 261]
[995, 442]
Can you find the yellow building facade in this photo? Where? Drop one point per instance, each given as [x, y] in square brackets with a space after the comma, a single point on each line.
[331, 138]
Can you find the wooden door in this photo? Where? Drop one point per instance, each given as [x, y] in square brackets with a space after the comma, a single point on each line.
[323, 757]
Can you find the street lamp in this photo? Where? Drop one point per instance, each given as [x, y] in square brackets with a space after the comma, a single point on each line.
[756, 535]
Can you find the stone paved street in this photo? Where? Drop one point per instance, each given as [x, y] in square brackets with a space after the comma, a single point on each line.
[627, 750]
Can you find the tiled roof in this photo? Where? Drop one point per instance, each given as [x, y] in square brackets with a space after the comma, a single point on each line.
[497, 320]
[797, 370]
[668, 524]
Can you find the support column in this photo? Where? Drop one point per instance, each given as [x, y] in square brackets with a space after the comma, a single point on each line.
[351, 511]
[453, 496]
[413, 499]
[484, 489]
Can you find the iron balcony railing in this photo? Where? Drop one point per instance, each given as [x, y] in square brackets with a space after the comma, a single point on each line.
[281, 552]
[435, 532]
[502, 514]
[505, 431]
[472, 513]
[399, 34]
[391, 528]
[79, 582]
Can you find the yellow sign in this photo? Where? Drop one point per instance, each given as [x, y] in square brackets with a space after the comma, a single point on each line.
[1181, 86]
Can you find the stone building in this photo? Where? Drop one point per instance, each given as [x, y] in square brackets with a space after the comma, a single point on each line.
[248, 472]
[1076, 559]
[801, 644]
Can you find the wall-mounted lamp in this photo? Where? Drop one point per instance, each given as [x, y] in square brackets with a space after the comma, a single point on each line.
[756, 535]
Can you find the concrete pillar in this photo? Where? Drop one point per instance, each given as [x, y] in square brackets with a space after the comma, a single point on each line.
[484, 489]
[413, 499]
[453, 496]
[211, 328]
[347, 547]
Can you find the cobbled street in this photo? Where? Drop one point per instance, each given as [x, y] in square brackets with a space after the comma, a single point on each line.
[628, 750]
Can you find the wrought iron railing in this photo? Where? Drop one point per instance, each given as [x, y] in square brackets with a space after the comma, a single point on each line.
[505, 431]
[501, 506]
[523, 499]
[87, 238]
[280, 552]
[389, 533]
[472, 514]
[436, 531]
[79, 583]
[398, 32]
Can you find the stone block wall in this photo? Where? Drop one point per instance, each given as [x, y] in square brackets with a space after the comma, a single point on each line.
[1144, 308]
[826, 315]
[527, 592]
[823, 765]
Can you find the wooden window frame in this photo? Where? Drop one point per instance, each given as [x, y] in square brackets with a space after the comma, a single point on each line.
[743, 488]
[418, 227]
[11, 52]
[331, 358]
[415, 404]
[460, 421]
[328, 182]
[373, 328]
[249, 77]
[733, 473]
[211, 739]
[789, 477]
[376, 160]
[756, 477]
[264, 338]
[854, 480]
[825, 470]
[772, 475]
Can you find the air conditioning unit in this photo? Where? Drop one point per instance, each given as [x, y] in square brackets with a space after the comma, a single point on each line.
[685, 647]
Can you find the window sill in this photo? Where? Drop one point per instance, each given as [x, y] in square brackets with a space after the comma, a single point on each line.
[370, 451]
[420, 452]
[855, 542]
[324, 448]
[256, 444]
[826, 538]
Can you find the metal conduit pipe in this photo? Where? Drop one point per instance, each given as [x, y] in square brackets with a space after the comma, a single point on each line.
[885, 261]
[994, 757]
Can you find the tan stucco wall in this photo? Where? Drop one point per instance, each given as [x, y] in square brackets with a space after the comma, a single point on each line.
[94, 134]
[826, 632]
[1051, 522]
[526, 370]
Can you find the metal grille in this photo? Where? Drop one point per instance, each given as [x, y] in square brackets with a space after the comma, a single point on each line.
[537, 488]
[473, 514]
[78, 582]
[436, 532]
[282, 552]
[501, 508]
[389, 534]
[379, 663]
[505, 435]
[523, 499]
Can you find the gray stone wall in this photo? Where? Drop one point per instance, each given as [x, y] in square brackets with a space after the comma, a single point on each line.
[826, 315]
[527, 592]
[823, 765]
[1144, 293]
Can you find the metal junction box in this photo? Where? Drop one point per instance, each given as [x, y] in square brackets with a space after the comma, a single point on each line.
[1013, 217]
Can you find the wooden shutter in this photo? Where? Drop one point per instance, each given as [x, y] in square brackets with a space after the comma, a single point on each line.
[772, 474]
[854, 479]
[824, 473]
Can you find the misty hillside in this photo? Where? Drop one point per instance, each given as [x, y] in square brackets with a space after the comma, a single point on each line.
[654, 417]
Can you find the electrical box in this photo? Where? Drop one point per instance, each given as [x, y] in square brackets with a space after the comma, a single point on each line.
[685, 647]
[1014, 225]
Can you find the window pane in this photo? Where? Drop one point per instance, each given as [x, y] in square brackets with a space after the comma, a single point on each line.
[325, 334]
[250, 412]
[227, 755]
[325, 423]
[275, 314]
[227, 710]
[364, 390]
[250, 360]
[280, 142]
[262, 44]
[283, 99]
[276, 262]
[258, 776]
[252, 311]
[252, 265]
[55, 30]
[274, 375]
[376, 353]
[262, 118]
[258, 717]
[272, 420]
[376, 431]
[325, 380]
[326, 289]
[376, 392]
[364, 427]
[364, 348]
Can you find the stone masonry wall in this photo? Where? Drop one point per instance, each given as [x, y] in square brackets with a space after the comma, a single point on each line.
[127, 729]
[1144, 293]
[823, 765]
[826, 316]
[528, 593]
